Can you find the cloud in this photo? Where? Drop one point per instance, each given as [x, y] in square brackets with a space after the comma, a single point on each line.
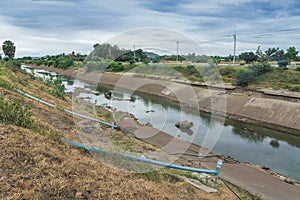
[46, 27]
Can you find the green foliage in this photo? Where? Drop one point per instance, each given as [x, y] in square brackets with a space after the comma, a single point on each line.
[58, 89]
[62, 61]
[279, 77]
[9, 48]
[244, 77]
[261, 57]
[194, 58]
[298, 69]
[99, 66]
[172, 57]
[260, 68]
[291, 53]
[292, 87]
[282, 63]
[242, 62]
[107, 51]
[43, 129]
[186, 70]
[14, 112]
[154, 70]
[248, 57]
[5, 84]
[12, 64]
[115, 67]
[190, 69]
[227, 71]
[17, 112]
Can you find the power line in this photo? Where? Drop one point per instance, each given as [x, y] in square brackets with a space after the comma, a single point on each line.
[261, 34]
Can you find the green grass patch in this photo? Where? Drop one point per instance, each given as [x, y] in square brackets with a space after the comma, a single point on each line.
[5, 84]
[57, 88]
[14, 112]
[17, 112]
[279, 78]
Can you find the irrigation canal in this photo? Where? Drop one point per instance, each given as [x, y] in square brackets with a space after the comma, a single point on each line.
[244, 142]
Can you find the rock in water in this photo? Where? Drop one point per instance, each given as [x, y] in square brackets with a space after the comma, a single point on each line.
[184, 124]
[107, 95]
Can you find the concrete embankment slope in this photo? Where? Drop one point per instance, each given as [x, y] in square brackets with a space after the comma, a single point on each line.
[241, 106]
[266, 111]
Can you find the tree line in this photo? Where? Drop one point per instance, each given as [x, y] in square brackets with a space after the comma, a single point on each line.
[107, 52]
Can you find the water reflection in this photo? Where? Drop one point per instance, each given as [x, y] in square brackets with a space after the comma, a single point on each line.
[249, 135]
[274, 143]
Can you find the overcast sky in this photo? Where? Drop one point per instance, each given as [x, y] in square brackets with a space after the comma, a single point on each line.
[40, 27]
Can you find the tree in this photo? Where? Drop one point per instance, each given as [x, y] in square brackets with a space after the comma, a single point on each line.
[279, 55]
[216, 60]
[260, 68]
[9, 48]
[270, 51]
[261, 57]
[248, 57]
[291, 53]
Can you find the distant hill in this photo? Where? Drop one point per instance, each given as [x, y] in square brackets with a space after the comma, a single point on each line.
[151, 55]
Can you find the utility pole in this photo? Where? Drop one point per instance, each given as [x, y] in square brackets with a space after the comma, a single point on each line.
[234, 46]
[134, 51]
[177, 57]
[109, 52]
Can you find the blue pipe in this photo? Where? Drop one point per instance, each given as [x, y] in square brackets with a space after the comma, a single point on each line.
[91, 119]
[155, 162]
[36, 99]
[67, 111]
[146, 160]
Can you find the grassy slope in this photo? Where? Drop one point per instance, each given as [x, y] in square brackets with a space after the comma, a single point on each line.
[279, 78]
[36, 166]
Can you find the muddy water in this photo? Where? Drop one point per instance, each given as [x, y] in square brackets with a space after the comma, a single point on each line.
[244, 142]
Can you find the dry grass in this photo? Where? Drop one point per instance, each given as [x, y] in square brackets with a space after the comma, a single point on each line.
[35, 167]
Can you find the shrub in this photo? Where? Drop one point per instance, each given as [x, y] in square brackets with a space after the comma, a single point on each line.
[260, 68]
[292, 88]
[115, 67]
[282, 63]
[58, 89]
[227, 71]
[15, 113]
[244, 77]
[242, 62]
[14, 65]
[298, 69]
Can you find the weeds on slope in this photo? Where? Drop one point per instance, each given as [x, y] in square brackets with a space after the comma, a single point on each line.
[17, 112]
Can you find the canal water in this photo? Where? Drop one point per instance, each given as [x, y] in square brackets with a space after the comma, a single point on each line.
[242, 141]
